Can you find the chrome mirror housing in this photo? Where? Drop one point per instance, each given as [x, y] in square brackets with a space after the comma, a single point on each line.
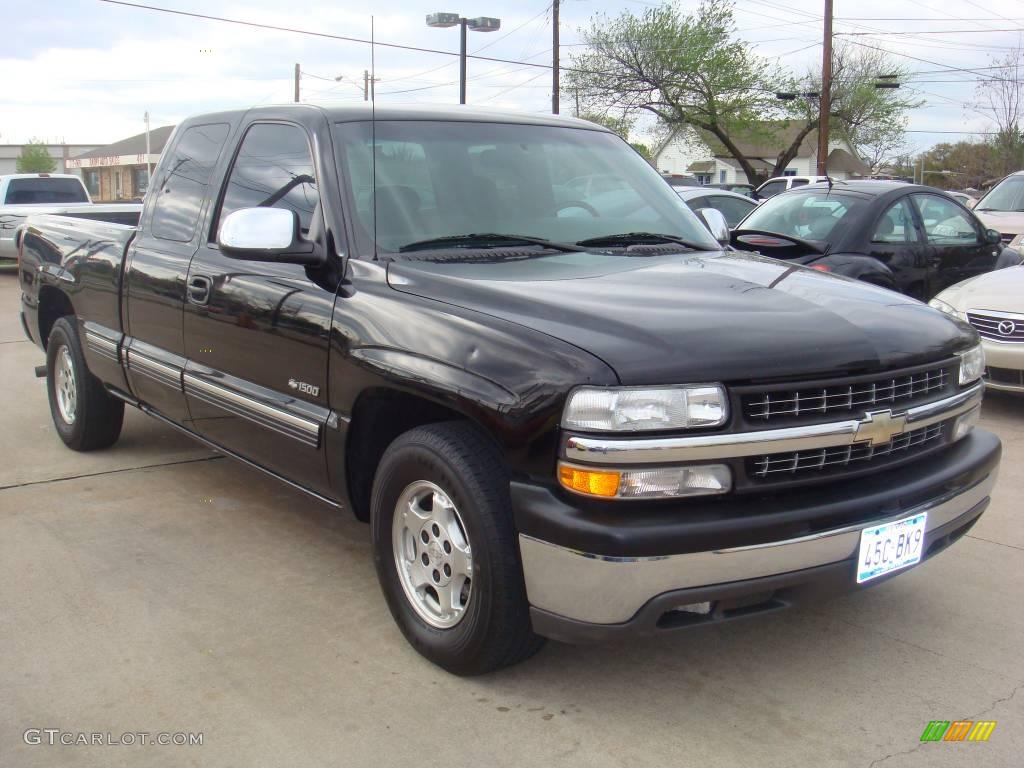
[716, 223]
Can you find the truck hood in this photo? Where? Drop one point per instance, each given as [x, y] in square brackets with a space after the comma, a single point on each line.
[709, 316]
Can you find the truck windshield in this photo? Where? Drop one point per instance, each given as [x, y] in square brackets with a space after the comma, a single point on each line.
[34, 191]
[413, 182]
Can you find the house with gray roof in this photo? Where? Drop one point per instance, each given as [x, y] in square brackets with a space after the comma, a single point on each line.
[697, 152]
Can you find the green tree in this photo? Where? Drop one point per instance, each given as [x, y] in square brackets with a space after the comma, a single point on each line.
[1001, 98]
[35, 158]
[693, 70]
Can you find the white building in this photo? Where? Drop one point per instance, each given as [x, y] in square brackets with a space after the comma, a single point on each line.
[61, 153]
[698, 153]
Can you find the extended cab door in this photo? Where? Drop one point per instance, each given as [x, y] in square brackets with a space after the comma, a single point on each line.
[157, 264]
[256, 332]
[956, 242]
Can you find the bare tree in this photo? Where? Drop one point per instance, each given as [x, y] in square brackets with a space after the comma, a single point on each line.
[1001, 97]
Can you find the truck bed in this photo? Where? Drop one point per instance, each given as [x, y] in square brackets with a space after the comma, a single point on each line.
[13, 217]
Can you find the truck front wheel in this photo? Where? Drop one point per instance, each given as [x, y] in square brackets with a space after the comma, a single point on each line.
[445, 549]
[86, 416]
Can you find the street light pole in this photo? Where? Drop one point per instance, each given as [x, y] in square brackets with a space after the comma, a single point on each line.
[479, 24]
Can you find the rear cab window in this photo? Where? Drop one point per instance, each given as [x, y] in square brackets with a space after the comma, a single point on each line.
[185, 181]
[43, 190]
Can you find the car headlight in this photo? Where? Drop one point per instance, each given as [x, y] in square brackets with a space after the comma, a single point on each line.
[942, 306]
[972, 365]
[636, 409]
[650, 483]
[1017, 243]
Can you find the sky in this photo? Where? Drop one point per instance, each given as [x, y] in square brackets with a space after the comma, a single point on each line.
[85, 71]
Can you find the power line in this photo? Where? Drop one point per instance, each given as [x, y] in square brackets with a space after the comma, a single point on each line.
[935, 32]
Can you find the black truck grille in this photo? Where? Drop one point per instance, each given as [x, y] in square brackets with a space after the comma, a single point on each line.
[862, 394]
[784, 466]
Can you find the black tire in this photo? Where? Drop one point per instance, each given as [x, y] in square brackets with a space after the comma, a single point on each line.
[97, 416]
[495, 630]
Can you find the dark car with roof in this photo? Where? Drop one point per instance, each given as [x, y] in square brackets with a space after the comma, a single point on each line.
[563, 408]
[906, 237]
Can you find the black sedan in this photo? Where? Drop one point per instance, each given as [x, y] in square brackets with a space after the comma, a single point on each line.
[910, 238]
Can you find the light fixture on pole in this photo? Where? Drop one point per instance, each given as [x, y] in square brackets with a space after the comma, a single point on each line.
[479, 24]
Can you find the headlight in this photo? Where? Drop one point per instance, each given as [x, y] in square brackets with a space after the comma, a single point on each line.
[655, 483]
[972, 365]
[942, 306]
[600, 409]
[1017, 243]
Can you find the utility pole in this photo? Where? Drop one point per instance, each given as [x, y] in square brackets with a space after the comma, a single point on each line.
[462, 60]
[297, 73]
[149, 165]
[554, 58]
[826, 92]
[366, 85]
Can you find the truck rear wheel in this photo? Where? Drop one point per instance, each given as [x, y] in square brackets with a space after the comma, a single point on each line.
[445, 549]
[86, 416]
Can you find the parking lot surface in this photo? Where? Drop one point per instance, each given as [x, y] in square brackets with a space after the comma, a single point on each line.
[158, 587]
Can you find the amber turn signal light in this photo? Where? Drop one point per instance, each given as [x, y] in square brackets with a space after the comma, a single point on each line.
[589, 481]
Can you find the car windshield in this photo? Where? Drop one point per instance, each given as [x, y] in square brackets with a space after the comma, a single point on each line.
[412, 182]
[806, 215]
[1007, 195]
[34, 191]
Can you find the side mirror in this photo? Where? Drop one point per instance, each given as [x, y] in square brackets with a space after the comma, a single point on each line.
[716, 223]
[992, 237]
[265, 234]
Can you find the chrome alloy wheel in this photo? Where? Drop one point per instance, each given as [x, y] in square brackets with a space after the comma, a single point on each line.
[432, 554]
[67, 393]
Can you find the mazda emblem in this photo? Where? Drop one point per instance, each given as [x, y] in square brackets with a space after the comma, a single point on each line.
[1006, 327]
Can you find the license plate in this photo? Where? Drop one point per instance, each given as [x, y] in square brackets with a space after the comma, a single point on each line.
[889, 547]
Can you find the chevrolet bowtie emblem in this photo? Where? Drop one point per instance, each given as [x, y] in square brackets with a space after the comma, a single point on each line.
[880, 427]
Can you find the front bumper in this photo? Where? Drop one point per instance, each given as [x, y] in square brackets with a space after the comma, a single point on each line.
[598, 573]
[1003, 361]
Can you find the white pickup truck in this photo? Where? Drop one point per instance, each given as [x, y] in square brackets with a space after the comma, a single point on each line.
[22, 194]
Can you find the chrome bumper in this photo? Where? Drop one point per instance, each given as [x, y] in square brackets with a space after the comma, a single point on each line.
[609, 590]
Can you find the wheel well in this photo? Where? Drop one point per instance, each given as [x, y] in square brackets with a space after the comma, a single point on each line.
[377, 419]
[53, 305]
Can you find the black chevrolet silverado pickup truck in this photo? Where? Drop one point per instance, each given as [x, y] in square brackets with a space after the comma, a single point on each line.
[564, 414]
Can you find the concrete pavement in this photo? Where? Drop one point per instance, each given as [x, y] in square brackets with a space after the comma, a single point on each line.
[158, 587]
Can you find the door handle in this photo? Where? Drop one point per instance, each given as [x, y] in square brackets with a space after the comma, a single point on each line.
[199, 289]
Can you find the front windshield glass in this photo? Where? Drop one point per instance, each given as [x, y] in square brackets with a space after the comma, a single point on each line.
[414, 181]
[807, 215]
[1007, 195]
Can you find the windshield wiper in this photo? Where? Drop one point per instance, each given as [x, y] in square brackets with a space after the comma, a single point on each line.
[486, 240]
[641, 238]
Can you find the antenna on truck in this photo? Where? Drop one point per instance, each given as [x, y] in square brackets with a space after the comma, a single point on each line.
[373, 136]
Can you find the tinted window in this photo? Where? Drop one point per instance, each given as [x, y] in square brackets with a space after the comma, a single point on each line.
[732, 208]
[273, 168]
[896, 225]
[771, 188]
[945, 222]
[45, 190]
[799, 183]
[185, 180]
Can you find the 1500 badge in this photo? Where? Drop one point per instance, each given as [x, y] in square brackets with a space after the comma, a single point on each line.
[303, 387]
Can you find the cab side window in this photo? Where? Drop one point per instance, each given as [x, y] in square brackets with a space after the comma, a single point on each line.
[273, 169]
[185, 181]
[896, 225]
[945, 222]
[772, 188]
